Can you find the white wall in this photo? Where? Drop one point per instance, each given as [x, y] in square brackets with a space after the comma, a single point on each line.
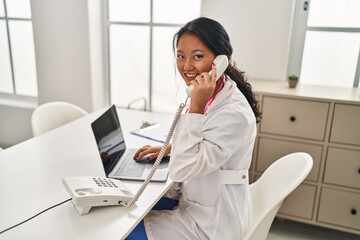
[14, 122]
[259, 31]
[63, 55]
[70, 58]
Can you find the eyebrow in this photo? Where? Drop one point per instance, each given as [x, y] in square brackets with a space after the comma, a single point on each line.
[197, 50]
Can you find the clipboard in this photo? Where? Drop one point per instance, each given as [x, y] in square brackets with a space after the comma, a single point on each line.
[155, 132]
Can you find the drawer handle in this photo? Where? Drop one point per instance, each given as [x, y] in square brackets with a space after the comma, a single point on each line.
[353, 211]
[292, 119]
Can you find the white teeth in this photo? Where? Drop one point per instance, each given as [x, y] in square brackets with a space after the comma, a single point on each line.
[190, 75]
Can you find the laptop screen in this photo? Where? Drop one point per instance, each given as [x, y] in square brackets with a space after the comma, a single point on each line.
[109, 138]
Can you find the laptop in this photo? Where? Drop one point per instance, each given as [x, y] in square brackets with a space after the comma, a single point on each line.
[117, 159]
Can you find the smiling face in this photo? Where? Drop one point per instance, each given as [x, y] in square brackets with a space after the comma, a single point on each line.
[193, 57]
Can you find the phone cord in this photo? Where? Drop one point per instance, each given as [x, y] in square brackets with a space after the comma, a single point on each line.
[160, 156]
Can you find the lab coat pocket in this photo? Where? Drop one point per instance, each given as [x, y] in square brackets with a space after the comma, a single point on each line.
[205, 190]
[205, 217]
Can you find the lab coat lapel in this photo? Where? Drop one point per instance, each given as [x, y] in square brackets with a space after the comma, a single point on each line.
[224, 93]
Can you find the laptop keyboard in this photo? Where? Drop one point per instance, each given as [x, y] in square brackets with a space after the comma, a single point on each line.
[130, 168]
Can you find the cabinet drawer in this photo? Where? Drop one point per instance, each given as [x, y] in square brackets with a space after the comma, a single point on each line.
[294, 118]
[300, 202]
[345, 126]
[270, 150]
[340, 208]
[343, 167]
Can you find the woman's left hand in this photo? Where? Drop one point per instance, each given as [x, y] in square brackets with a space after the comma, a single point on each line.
[151, 152]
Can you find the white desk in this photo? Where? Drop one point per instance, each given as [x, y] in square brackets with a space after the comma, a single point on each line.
[30, 181]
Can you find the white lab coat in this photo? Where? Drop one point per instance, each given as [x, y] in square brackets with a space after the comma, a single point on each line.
[203, 146]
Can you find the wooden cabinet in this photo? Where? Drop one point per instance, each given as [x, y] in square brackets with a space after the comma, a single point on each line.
[346, 125]
[297, 118]
[306, 195]
[324, 122]
[343, 167]
[271, 149]
[339, 208]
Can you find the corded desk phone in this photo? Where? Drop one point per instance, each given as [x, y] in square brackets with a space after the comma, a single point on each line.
[87, 192]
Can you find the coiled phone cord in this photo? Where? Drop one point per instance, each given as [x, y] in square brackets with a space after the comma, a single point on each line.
[160, 156]
[147, 180]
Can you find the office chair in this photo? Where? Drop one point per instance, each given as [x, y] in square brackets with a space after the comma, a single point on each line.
[270, 190]
[54, 114]
[133, 104]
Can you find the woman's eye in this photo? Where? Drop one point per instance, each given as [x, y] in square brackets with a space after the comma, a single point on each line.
[198, 57]
[180, 57]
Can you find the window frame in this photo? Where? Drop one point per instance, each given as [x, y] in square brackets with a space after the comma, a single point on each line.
[14, 95]
[299, 29]
[151, 24]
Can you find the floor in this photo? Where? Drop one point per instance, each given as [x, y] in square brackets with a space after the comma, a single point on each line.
[289, 230]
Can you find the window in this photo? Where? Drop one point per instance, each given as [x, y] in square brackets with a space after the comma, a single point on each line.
[17, 58]
[142, 68]
[326, 43]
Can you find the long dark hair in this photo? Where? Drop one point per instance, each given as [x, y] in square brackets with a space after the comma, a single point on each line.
[216, 39]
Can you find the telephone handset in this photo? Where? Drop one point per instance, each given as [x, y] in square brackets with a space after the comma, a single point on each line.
[221, 62]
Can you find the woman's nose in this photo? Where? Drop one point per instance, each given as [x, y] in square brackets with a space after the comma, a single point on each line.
[188, 65]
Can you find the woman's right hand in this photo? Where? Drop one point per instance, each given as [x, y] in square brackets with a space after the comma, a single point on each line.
[151, 152]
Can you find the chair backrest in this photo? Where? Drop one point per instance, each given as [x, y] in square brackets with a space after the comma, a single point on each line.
[54, 114]
[270, 190]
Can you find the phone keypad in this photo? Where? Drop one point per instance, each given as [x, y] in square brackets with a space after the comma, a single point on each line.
[104, 182]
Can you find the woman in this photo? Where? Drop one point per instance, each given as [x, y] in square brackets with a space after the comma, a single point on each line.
[211, 147]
